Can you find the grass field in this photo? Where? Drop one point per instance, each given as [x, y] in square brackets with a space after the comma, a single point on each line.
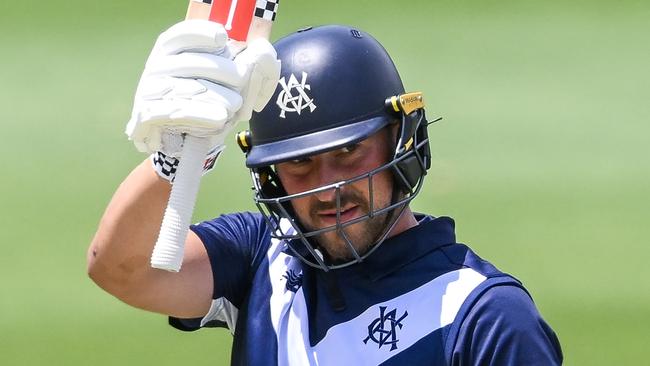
[543, 159]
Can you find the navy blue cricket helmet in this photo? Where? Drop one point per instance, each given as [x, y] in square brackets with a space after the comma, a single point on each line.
[338, 86]
[333, 84]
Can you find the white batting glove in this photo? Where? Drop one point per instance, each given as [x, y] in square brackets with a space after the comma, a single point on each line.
[192, 85]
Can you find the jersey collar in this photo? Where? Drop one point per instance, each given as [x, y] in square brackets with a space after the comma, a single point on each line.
[395, 252]
[406, 247]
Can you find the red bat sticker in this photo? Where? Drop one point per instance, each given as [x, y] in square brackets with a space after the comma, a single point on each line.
[235, 15]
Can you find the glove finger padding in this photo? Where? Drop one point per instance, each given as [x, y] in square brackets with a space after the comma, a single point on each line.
[194, 65]
[195, 107]
[192, 35]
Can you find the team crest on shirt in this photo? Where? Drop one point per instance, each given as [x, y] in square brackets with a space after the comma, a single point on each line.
[383, 330]
[294, 97]
[294, 281]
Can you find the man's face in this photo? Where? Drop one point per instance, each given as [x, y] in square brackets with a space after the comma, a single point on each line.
[318, 210]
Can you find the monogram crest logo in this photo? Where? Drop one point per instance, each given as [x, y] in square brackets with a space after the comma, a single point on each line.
[383, 330]
[294, 281]
[290, 102]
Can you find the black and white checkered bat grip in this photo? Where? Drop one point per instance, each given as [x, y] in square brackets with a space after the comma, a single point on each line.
[266, 9]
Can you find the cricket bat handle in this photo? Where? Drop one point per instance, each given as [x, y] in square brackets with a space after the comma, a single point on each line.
[170, 246]
[245, 20]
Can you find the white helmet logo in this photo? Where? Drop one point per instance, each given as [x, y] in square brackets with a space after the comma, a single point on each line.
[294, 103]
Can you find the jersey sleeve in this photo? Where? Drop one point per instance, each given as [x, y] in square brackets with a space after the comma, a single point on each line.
[504, 328]
[236, 244]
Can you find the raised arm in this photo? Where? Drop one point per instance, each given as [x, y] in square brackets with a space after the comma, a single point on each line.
[192, 85]
[118, 257]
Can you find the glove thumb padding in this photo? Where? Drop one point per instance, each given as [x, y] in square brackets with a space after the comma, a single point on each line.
[188, 89]
[260, 60]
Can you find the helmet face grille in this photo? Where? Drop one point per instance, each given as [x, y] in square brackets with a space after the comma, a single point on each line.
[407, 165]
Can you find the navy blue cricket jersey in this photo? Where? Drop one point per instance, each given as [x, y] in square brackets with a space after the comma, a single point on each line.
[420, 299]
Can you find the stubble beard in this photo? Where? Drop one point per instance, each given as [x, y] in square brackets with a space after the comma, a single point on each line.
[362, 235]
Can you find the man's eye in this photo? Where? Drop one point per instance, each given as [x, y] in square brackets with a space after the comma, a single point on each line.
[299, 161]
[350, 148]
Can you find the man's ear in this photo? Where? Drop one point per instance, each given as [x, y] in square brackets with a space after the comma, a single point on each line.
[393, 130]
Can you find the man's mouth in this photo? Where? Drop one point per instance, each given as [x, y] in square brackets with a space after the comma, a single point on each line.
[328, 217]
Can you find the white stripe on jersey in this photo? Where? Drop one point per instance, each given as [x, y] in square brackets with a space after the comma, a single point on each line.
[290, 344]
[430, 307]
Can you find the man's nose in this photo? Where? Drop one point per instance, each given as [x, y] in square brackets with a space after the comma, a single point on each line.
[327, 173]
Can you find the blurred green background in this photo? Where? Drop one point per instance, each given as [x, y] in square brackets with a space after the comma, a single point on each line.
[542, 159]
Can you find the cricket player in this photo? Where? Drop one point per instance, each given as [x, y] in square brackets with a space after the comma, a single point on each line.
[335, 269]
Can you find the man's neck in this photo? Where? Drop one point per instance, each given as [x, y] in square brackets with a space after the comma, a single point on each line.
[406, 221]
